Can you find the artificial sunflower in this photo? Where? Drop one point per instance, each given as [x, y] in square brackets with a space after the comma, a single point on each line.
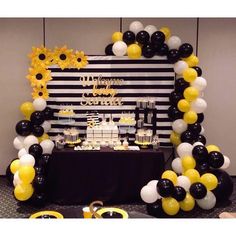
[39, 76]
[40, 93]
[63, 57]
[41, 57]
[80, 59]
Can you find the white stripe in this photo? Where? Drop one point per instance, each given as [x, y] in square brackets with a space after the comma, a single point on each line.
[123, 66]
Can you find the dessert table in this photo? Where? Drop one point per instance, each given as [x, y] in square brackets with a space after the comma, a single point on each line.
[80, 177]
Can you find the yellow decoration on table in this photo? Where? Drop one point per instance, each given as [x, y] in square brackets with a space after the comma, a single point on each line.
[191, 93]
[40, 93]
[170, 206]
[43, 137]
[209, 180]
[171, 175]
[27, 174]
[183, 105]
[166, 32]
[117, 36]
[134, 51]
[23, 191]
[40, 214]
[212, 148]
[40, 57]
[188, 162]
[175, 138]
[192, 60]
[80, 60]
[188, 203]
[15, 165]
[193, 175]
[63, 57]
[189, 74]
[27, 109]
[190, 117]
[39, 76]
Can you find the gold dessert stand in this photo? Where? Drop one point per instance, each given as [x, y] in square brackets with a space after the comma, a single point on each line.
[72, 144]
[143, 144]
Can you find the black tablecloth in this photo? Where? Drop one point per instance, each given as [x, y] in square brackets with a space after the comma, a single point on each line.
[80, 177]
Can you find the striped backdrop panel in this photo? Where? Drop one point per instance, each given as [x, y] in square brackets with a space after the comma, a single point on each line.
[142, 78]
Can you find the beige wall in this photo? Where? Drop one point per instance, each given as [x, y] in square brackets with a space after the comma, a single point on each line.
[217, 53]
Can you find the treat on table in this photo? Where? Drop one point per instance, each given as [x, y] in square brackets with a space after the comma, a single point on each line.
[71, 135]
[144, 135]
[59, 141]
[66, 112]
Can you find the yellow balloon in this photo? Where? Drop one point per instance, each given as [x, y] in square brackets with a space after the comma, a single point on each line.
[188, 203]
[175, 138]
[212, 148]
[23, 192]
[209, 180]
[188, 162]
[27, 174]
[43, 137]
[166, 32]
[190, 117]
[189, 74]
[192, 60]
[183, 105]
[27, 109]
[193, 175]
[134, 51]
[117, 36]
[191, 94]
[171, 175]
[15, 165]
[170, 206]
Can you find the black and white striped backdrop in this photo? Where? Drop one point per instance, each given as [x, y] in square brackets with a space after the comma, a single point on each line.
[142, 78]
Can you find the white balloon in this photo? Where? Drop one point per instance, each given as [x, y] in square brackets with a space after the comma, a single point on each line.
[47, 146]
[183, 181]
[119, 48]
[208, 202]
[174, 42]
[39, 104]
[22, 152]
[46, 126]
[148, 194]
[180, 66]
[198, 144]
[18, 142]
[199, 83]
[30, 140]
[150, 29]
[16, 179]
[202, 130]
[27, 160]
[226, 163]
[185, 149]
[136, 26]
[177, 165]
[153, 184]
[179, 126]
[199, 105]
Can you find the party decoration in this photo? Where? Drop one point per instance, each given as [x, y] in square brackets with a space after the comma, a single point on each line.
[188, 162]
[174, 42]
[184, 182]
[185, 50]
[179, 193]
[189, 75]
[188, 203]
[165, 187]
[176, 165]
[187, 137]
[173, 56]
[149, 194]
[175, 97]
[15, 165]
[119, 48]
[26, 174]
[27, 109]
[166, 32]
[134, 51]
[162, 49]
[108, 50]
[47, 146]
[21, 152]
[80, 60]
[39, 104]
[148, 50]
[18, 142]
[198, 70]
[193, 175]
[40, 92]
[158, 38]
[62, 57]
[171, 175]
[192, 60]
[195, 128]
[179, 126]
[27, 160]
[183, 105]
[181, 85]
[208, 202]
[37, 118]
[170, 206]
[199, 83]
[36, 150]
[198, 190]
[136, 26]
[175, 138]
[155, 209]
[179, 67]
[23, 128]
[174, 113]
[150, 29]
[129, 37]
[46, 126]
[211, 148]
[142, 37]
[37, 130]
[30, 140]
[16, 179]
[191, 94]
[215, 159]
[116, 36]
[200, 153]
[209, 180]
[199, 105]
[190, 117]
[43, 137]
[23, 191]
[48, 113]
[184, 149]
[226, 163]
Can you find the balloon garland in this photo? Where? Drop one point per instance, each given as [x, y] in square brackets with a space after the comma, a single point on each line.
[198, 176]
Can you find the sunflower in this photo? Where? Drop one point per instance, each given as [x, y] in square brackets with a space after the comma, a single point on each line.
[63, 57]
[39, 76]
[40, 93]
[41, 57]
[80, 60]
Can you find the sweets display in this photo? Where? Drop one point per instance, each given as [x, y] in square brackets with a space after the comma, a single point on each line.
[71, 135]
[66, 112]
[146, 103]
[144, 136]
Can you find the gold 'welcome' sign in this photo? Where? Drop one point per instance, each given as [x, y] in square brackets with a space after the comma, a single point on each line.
[102, 93]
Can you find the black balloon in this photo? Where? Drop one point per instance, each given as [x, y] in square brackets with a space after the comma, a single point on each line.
[37, 130]
[48, 113]
[224, 187]
[162, 50]
[165, 187]
[39, 184]
[187, 137]
[155, 209]
[200, 153]
[9, 175]
[200, 138]
[175, 97]
[39, 170]
[129, 37]
[198, 190]
[24, 128]
[181, 85]
[158, 37]
[36, 150]
[38, 199]
[185, 50]
[198, 69]
[142, 37]
[195, 128]
[37, 117]
[148, 51]
[108, 50]
[173, 56]
[43, 161]
[174, 113]
[179, 193]
[200, 117]
[202, 167]
[216, 159]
